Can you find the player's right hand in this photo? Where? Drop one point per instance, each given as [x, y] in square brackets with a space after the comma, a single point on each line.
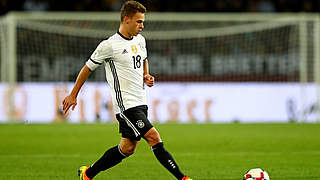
[68, 102]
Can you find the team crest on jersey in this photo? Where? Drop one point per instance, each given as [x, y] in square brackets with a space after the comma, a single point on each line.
[140, 123]
[141, 46]
[134, 49]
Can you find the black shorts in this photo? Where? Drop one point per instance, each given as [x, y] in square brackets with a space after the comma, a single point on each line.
[134, 123]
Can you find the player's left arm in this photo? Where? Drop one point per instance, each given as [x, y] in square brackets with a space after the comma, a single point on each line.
[148, 79]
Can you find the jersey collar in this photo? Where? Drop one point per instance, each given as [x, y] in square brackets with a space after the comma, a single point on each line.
[124, 36]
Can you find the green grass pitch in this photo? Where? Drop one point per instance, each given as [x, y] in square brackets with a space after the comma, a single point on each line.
[203, 151]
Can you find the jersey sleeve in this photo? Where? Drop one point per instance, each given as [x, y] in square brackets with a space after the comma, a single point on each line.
[145, 48]
[102, 52]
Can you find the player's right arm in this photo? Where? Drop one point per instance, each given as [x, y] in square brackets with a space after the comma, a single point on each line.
[102, 52]
[71, 99]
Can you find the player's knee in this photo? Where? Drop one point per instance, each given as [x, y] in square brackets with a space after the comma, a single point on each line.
[152, 137]
[128, 151]
[154, 140]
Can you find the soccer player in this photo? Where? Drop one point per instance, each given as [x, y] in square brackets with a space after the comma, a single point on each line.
[124, 56]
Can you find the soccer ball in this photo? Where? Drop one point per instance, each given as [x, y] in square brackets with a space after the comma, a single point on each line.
[256, 174]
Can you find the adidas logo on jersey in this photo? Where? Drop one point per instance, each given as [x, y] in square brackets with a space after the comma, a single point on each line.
[124, 51]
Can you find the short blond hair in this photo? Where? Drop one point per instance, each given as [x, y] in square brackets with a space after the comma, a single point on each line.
[130, 8]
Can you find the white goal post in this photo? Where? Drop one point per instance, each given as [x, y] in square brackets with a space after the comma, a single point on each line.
[231, 47]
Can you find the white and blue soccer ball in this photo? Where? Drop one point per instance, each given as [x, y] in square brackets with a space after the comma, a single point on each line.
[256, 174]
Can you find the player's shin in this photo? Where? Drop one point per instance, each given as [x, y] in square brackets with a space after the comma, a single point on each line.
[110, 158]
[165, 158]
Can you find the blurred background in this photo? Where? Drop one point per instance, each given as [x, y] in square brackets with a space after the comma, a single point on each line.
[165, 5]
[215, 61]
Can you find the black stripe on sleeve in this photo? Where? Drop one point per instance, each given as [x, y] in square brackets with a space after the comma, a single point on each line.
[95, 61]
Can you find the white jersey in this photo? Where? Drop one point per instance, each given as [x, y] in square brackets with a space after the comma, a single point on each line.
[123, 60]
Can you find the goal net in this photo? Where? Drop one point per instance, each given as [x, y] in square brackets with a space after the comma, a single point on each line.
[182, 47]
[52, 47]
